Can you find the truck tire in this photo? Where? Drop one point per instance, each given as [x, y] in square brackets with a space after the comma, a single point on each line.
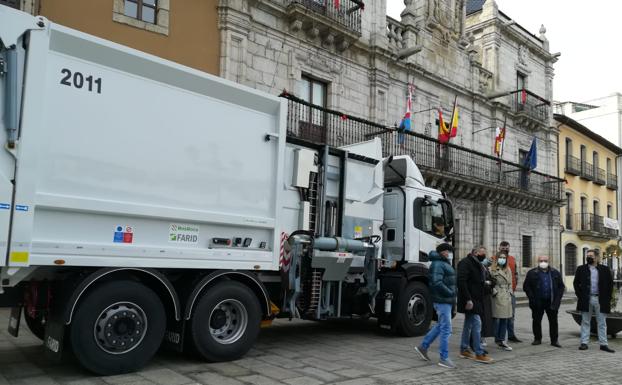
[117, 327]
[414, 310]
[226, 322]
[36, 326]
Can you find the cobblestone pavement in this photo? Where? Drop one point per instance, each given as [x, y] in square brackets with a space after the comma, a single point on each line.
[356, 353]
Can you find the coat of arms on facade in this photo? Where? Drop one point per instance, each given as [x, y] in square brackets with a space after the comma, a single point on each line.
[445, 16]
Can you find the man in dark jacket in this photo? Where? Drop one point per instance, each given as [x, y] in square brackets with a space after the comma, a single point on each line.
[471, 283]
[544, 287]
[442, 278]
[593, 285]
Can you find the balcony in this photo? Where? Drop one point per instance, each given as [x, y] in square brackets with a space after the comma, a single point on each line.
[612, 181]
[600, 176]
[591, 227]
[587, 171]
[451, 168]
[573, 165]
[337, 23]
[532, 110]
[11, 3]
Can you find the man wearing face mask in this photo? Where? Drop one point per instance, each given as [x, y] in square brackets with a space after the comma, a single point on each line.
[471, 286]
[593, 285]
[442, 278]
[544, 288]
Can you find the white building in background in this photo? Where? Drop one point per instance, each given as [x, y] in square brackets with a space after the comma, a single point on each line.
[360, 63]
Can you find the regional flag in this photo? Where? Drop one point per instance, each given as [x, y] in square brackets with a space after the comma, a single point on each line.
[406, 125]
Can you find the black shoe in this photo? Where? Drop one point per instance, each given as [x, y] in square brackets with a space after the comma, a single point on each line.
[583, 347]
[607, 349]
[536, 342]
[556, 344]
[514, 339]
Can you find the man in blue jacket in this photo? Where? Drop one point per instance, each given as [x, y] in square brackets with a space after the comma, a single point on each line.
[442, 278]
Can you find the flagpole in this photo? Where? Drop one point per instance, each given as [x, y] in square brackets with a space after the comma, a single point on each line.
[500, 156]
[451, 122]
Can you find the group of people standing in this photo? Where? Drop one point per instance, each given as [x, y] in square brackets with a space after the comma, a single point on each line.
[484, 288]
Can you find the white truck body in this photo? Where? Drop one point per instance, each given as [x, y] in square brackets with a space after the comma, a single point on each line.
[170, 155]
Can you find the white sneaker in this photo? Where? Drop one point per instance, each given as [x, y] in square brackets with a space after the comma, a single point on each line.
[503, 346]
[447, 363]
[484, 343]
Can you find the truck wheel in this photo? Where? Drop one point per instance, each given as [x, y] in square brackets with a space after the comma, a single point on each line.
[226, 322]
[117, 327]
[414, 310]
[36, 326]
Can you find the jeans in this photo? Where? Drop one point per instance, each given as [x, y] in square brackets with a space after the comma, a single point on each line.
[586, 319]
[442, 328]
[537, 313]
[501, 327]
[511, 320]
[472, 328]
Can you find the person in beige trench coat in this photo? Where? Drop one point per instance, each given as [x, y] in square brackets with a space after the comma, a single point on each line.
[501, 299]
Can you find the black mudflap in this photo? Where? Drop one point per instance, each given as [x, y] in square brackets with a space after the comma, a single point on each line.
[14, 321]
[54, 339]
[174, 335]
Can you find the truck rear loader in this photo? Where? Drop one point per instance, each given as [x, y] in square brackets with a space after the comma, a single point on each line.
[145, 203]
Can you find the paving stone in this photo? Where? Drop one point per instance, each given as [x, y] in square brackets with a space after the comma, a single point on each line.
[303, 381]
[259, 380]
[166, 377]
[210, 378]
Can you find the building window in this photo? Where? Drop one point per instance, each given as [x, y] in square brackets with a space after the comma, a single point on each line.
[527, 251]
[584, 253]
[144, 10]
[583, 154]
[608, 166]
[313, 120]
[521, 81]
[570, 259]
[596, 208]
[595, 159]
[569, 211]
[313, 91]
[150, 15]
[568, 147]
[609, 210]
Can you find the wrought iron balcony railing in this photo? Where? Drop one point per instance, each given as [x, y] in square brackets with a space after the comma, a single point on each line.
[530, 104]
[573, 165]
[612, 181]
[587, 171]
[593, 225]
[345, 12]
[320, 126]
[600, 176]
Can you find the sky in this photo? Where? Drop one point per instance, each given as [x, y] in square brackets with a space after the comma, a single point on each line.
[587, 33]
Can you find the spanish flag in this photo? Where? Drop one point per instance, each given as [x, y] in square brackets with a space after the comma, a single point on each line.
[443, 131]
[446, 132]
[499, 139]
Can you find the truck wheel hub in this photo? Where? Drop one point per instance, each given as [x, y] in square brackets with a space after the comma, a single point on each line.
[228, 321]
[416, 309]
[120, 328]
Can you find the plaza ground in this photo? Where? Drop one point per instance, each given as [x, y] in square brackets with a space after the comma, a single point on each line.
[356, 353]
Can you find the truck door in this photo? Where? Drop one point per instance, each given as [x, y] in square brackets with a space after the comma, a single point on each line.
[431, 223]
[393, 233]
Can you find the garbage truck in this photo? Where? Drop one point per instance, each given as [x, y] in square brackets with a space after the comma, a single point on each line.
[146, 204]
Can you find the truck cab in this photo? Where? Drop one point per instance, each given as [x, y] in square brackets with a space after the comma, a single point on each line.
[416, 218]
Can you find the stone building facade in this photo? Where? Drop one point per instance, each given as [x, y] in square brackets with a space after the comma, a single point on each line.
[361, 61]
